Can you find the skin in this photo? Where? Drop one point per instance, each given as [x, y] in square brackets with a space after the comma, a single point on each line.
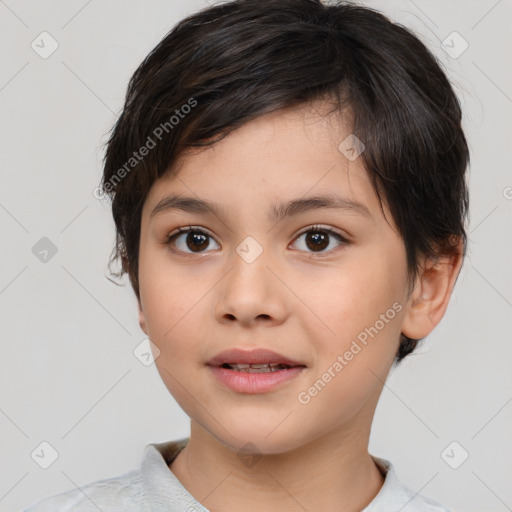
[305, 303]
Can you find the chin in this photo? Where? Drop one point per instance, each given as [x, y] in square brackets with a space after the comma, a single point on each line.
[260, 437]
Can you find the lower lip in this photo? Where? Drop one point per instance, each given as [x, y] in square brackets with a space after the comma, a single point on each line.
[245, 382]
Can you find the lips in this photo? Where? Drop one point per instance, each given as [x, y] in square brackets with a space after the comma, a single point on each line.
[254, 371]
[261, 357]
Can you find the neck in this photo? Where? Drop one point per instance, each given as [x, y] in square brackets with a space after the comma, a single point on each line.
[332, 473]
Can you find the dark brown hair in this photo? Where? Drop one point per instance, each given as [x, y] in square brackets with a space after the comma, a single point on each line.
[234, 61]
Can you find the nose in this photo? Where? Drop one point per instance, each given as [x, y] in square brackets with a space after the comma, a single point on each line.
[251, 293]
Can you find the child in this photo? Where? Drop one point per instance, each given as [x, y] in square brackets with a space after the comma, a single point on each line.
[288, 186]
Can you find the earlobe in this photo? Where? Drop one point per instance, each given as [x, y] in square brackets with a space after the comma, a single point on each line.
[142, 318]
[429, 299]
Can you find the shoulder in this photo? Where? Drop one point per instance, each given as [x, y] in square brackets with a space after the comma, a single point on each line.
[149, 487]
[415, 502]
[122, 492]
[394, 496]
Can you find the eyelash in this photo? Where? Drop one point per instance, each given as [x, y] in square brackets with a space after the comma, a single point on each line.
[316, 228]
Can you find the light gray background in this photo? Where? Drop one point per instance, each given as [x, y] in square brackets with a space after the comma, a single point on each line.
[68, 374]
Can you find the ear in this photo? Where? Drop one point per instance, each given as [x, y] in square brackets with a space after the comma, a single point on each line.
[142, 318]
[431, 294]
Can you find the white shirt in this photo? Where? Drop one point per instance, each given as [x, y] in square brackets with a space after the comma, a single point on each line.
[154, 488]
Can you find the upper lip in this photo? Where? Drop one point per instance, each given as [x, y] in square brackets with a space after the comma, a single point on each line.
[256, 356]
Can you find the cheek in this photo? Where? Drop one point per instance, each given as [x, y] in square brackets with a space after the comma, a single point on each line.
[357, 312]
[163, 298]
[173, 300]
[354, 361]
[353, 295]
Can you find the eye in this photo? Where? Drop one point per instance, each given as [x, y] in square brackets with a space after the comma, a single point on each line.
[318, 238]
[196, 240]
[192, 240]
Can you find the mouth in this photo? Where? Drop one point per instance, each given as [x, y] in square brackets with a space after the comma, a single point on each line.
[259, 360]
[256, 368]
[255, 371]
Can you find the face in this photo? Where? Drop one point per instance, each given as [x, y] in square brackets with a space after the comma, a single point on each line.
[323, 287]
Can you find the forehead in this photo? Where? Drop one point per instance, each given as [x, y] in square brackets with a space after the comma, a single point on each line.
[278, 157]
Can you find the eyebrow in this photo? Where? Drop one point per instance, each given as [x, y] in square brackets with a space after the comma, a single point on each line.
[277, 212]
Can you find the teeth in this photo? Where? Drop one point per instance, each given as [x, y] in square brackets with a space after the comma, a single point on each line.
[257, 368]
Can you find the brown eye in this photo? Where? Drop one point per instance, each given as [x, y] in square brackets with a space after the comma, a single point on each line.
[317, 239]
[196, 241]
[190, 240]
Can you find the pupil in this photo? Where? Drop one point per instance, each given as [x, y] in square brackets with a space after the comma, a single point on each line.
[193, 237]
[318, 239]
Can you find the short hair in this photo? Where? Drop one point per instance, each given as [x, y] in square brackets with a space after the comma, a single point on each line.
[235, 61]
